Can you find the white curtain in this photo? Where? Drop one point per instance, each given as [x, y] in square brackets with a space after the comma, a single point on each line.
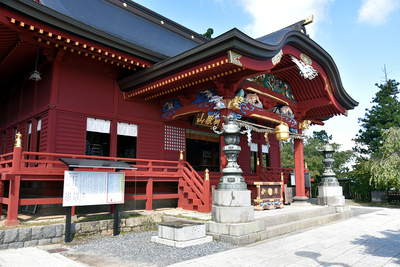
[265, 148]
[127, 129]
[254, 147]
[30, 128]
[39, 124]
[98, 125]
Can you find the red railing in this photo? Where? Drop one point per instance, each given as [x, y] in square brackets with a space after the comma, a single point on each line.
[34, 166]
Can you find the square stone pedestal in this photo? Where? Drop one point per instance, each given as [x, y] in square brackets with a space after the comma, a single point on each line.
[232, 207]
[181, 234]
[332, 196]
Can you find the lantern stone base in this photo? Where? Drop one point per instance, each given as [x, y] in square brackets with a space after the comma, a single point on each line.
[330, 195]
[232, 207]
[300, 201]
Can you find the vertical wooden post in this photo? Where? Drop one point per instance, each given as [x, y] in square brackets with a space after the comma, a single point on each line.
[207, 189]
[181, 181]
[12, 210]
[73, 211]
[299, 170]
[149, 194]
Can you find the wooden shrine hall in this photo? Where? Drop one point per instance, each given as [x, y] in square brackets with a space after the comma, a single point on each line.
[140, 88]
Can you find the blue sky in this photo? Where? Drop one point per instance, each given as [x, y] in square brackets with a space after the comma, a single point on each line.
[361, 36]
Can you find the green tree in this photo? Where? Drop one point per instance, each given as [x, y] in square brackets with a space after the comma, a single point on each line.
[314, 158]
[385, 163]
[383, 115]
[208, 33]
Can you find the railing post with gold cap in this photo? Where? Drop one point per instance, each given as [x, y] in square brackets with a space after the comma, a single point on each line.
[15, 181]
[181, 195]
[207, 189]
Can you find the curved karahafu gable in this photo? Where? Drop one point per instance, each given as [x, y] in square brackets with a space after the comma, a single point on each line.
[234, 57]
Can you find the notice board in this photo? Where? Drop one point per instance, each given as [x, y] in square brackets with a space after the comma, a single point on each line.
[93, 188]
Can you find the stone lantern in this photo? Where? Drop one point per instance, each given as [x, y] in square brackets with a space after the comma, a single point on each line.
[232, 178]
[329, 191]
[328, 177]
[232, 200]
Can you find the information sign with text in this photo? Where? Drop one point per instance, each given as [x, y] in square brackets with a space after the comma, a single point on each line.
[93, 188]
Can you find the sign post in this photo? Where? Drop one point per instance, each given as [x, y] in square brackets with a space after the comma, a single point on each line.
[85, 188]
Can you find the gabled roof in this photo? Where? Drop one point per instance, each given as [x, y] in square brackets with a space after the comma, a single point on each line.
[132, 29]
[132, 23]
[262, 49]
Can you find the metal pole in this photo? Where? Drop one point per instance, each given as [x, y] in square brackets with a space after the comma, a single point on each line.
[116, 208]
[68, 226]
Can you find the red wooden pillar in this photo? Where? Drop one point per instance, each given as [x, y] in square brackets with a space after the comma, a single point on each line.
[299, 170]
[149, 194]
[181, 195]
[207, 191]
[12, 211]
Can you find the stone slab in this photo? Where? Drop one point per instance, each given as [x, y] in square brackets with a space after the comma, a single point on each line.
[181, 231]
[232, 198]
[182, 244]
[235, 229]
[232, 214]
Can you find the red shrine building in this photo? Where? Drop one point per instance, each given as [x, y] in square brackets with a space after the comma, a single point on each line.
[137, 87]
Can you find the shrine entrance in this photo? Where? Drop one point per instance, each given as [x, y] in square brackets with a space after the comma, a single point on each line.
[202, 150]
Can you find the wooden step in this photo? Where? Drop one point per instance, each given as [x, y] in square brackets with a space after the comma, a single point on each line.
[187, 189]
[188, 207]
[192, 195]
[197, 202]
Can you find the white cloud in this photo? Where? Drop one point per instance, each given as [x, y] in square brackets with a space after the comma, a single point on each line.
[376, 12]
[271, 15]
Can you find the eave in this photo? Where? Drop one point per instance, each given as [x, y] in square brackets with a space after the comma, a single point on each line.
[237, 41]
[45, 15]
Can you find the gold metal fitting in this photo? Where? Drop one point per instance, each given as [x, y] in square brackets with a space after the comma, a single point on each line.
[18, 140]
[181, 155]
[258, 161]
[207, 175]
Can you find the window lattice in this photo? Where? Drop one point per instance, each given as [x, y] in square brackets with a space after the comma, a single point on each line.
[174, 138]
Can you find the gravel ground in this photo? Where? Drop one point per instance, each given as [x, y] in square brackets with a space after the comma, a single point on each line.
[136, 249]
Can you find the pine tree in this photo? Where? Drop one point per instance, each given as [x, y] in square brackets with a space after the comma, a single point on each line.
[383, 115]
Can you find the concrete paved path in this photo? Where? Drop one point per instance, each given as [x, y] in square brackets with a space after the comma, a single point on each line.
[368, 240]
[34, 257]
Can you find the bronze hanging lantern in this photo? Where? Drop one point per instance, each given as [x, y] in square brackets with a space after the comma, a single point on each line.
[35, 75]
[282, 132]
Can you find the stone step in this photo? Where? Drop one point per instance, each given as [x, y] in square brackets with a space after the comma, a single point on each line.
[285, 224]
[296, 216]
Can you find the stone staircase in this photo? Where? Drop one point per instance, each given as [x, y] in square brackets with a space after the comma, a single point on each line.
[277, 225]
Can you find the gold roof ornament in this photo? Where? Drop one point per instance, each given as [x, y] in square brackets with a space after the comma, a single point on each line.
[304, 124]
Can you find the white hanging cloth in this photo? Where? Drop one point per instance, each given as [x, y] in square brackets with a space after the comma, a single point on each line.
[98, 125]
[127, 129]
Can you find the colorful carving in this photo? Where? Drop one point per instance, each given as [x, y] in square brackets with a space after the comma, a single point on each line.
[253, 99]
[304, 125]
[277, 58]
[235, 102]
[286, 111]
[234, 58]
[273, 83]
[204, 96]
[218, 102]
[306, 71]
[171, 104]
